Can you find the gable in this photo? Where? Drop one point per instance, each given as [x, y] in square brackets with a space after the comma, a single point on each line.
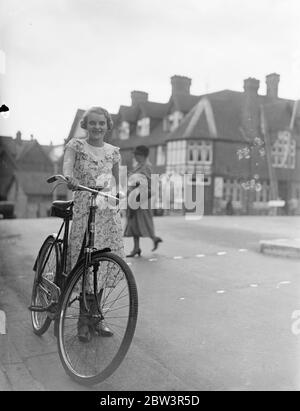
[201, 119]
[34, 158]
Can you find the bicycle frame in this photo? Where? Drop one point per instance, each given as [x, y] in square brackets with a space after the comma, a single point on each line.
[87, 248]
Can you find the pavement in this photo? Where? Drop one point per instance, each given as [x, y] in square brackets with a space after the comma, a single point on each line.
[283, 247]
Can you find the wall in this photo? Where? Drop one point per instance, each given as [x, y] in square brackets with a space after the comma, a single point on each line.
[17, 195]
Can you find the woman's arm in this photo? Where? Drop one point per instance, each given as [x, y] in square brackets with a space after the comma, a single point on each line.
[69, 161]
[115, 173]
[68, 168]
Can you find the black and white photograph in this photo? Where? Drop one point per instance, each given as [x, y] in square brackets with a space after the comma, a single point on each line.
[149, 198]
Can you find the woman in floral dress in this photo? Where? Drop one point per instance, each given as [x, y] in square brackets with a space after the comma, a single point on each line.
[92, 162]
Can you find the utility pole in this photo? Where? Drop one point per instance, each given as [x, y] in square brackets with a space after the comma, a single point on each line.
[268, 148]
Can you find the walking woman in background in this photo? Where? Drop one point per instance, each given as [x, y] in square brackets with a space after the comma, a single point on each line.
[140, 221]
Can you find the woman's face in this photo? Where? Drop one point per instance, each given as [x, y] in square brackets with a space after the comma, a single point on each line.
[96, 126]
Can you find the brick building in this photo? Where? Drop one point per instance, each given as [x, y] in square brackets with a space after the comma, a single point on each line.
[246, 144]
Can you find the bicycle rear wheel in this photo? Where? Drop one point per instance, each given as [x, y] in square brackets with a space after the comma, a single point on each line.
[47, 268]
[112, 281]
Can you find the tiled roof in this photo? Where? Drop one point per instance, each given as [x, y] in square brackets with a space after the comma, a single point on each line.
[34, 183]
[153, 110]
[183, 103]
[8, 143]
[227, 109]
[8, 154]
[128, 113]
[24, 147]
[217, 117]
[4, 185]
[18, 150]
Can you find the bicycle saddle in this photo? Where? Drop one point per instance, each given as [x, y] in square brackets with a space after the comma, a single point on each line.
[62, 209]
[62, 205]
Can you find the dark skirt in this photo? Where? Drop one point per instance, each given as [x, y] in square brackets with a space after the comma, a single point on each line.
[139, 223]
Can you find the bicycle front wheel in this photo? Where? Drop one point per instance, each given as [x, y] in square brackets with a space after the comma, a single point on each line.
[111, 285]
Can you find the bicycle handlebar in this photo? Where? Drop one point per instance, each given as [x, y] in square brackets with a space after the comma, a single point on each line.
[60, 177]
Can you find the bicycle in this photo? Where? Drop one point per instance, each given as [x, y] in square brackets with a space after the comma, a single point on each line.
[100, 289]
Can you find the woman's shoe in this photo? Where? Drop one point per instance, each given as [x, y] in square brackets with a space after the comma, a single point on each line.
[103, 330]
[83, 333]
[156, 242]
[134, 252]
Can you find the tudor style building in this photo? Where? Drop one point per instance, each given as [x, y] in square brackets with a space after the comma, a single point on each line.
[245, 144]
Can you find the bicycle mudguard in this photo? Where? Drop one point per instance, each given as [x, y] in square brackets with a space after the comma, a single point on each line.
[52, 236]
[104, 250]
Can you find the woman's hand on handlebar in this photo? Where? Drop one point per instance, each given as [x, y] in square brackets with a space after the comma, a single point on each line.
[72, 183]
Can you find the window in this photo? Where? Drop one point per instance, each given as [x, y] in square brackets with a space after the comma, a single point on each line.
[176, 152]
[160, 156]
[175, 119]
[284, 150]
[200, 152]
[143, 127]
[232, 189]
[172, 121]
[124, 130]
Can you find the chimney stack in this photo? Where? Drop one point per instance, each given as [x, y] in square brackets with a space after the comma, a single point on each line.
[19, 137]
[250, 108]
[180, 85]
[138, 97]
[272, 81]
[251, 86]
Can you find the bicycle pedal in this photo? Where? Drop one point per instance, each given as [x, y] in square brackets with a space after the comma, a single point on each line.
[36, 308]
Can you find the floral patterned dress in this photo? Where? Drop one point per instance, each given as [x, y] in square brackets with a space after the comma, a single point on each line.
[92, 170]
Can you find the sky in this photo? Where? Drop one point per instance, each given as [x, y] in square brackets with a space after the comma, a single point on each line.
[60, 55]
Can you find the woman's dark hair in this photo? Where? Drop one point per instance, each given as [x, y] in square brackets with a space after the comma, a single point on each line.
[142, 150]
[97, 110]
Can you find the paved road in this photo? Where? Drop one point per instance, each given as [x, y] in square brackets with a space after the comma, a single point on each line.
[214, 313]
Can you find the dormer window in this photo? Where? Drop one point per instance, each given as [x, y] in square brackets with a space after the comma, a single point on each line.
[173, 120]
[143, 127]
[124, 130]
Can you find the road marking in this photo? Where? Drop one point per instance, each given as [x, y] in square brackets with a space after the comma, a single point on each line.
[2, 322]
[200, 255]
[221, 253]
[152, 259]
[242, 250]
[254, 285]
[221, 291]
[178, 257]
[181, 298]
[282, 283]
